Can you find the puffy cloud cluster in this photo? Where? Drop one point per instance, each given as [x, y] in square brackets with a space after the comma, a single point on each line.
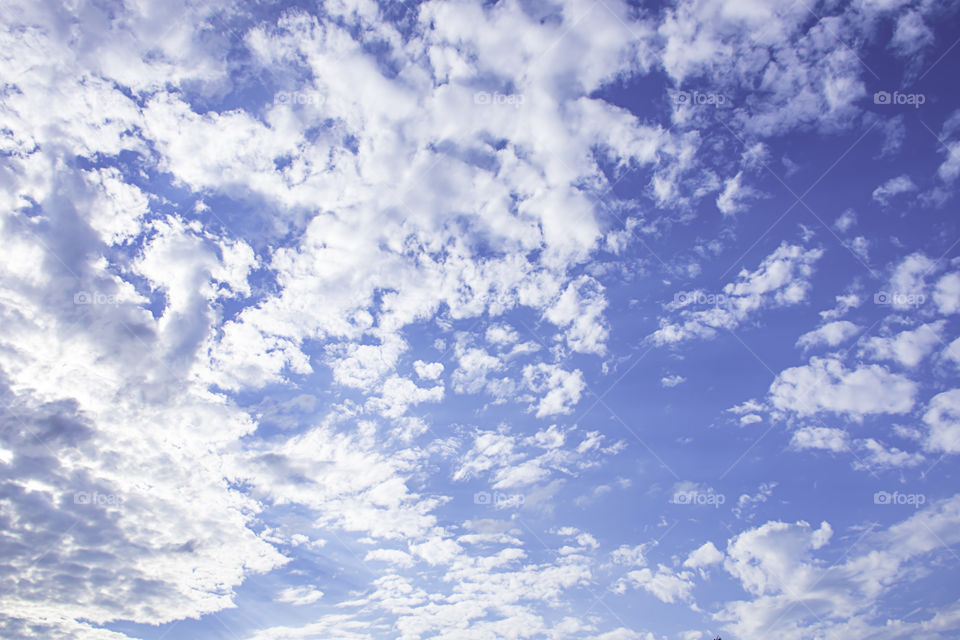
[219, 219]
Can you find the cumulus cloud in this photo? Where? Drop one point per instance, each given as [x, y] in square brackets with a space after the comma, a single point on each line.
[672, 380]
[909, 347]
[825, 384]
[942, 418]
[776, 564]
[782, 279]
[560, 389]
[831, 334]
[830, 439]
[299, 596]
[946, 294]
[231, 246]
[664, 584]
[703, 556]
[893, 187]
[734, 195]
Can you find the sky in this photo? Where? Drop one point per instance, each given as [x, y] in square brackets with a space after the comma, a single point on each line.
[459, 319]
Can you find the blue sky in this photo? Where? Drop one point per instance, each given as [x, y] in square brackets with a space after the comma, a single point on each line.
[567, 320]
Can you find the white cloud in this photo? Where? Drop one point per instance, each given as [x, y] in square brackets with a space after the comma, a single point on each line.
[943, 421]
[672, 380]
[879, 456]
[946, 295]
[909, 347]
[579, 309]
[911, 35]
[732, 199]
[397, 394]
[826, 385]
[952, 351]
[775, 563]
[299, 596]
[844, 304]
[630, 555]
[703, 556]
[501, 334]
[908, 282]
[561, 389]
[396, 202]
[436, 550]
[364, 365]
[782, 279]
[428, 370]
[391, 556]
[474, 367]
[893, 187]
[666, 585]
[846, 220]
[831, 334]
[828, 438]
[747, 503]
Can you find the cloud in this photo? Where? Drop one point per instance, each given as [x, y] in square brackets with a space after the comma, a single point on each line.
[299, 596]
[946, 294]
[909, 347]
[831, 334]
[501, 334]
[775, 564]
[392, 556]
[893, 187]
[275, 216]
[672, 380]
[734, 195]
[827, 438]
[428, 370]
[942, 418]
[580, 310]
[907, 288]
[703, 556]
[826, 385]
[782, 279]
[845, 221]
[561, 389]
[911, 35]
[664, 584]
[397, 394]
[878, 456]
[474, 367]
